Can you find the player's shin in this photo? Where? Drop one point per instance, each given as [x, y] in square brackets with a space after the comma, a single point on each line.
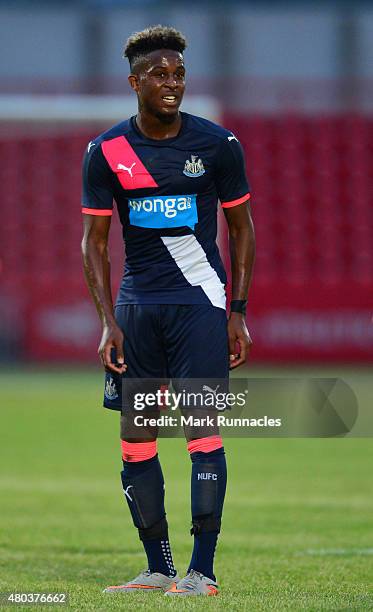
[143, 487]
[208, 484]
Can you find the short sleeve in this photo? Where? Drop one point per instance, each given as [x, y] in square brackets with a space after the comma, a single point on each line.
[231, 180]
[97, 191]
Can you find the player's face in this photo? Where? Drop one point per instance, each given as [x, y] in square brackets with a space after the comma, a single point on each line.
[160, 83]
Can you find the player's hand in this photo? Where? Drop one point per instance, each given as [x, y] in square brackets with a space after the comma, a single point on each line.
[112, 338]
[239, 340]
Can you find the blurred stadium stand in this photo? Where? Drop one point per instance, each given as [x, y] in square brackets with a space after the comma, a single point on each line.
[308, 139]
[313, 212]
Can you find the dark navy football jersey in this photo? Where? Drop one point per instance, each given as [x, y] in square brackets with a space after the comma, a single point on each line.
[167, 193]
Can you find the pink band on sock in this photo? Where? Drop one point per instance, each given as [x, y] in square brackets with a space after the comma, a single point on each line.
[205, 445]
[138, 451]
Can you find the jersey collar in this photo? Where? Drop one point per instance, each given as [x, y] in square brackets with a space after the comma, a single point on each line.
[163, 141]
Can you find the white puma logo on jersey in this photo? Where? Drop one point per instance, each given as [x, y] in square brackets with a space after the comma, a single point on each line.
[90, 145]
[126, 492]
[129, 170]
[232, 138]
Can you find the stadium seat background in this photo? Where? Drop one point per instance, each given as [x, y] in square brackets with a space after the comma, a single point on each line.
[312, 203]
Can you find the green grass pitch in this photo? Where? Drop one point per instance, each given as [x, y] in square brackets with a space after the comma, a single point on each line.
[297, 529]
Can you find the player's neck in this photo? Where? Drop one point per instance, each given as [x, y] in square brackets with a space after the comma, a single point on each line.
[153, 127]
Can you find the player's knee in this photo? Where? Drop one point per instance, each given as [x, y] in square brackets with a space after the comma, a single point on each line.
[137, 433]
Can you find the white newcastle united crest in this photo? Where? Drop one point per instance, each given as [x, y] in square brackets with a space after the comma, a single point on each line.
[111, 392]
[194, 167]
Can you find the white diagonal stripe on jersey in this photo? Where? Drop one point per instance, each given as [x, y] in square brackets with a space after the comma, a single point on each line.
[191, 259]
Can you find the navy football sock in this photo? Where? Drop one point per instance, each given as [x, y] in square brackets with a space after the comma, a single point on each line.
[203, 553]
[155, 538]
[209, 479]
[159, 556]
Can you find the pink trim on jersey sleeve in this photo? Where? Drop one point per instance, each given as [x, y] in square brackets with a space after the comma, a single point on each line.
[100, 212]
[236, 202]
[124, 162]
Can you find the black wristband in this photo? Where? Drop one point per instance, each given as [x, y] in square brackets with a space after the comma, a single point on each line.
[239, 306]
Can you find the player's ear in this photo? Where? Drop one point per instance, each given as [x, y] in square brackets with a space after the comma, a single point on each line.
[134, 82]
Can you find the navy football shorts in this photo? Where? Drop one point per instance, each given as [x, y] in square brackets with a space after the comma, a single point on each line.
[167, 342]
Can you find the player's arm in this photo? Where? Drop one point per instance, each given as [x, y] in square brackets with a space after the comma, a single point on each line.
[96, 263]
[242, 254]
[97, 205]
[234, 193]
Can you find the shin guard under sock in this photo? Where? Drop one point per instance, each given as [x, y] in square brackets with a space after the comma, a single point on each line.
[143, 487]
[209, 478]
